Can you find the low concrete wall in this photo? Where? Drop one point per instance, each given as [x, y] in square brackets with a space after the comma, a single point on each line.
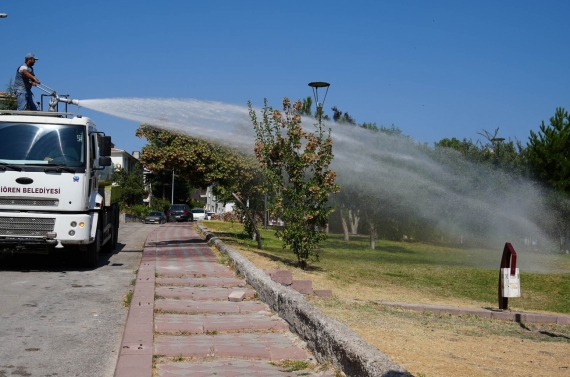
[128, 218]
[328, 339]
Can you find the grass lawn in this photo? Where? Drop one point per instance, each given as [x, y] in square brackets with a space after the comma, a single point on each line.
[414, 272]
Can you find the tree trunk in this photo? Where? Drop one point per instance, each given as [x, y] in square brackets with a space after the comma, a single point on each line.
[372, 236]
[564, 231]
[248, 213]
[354, 218]
[344, 225]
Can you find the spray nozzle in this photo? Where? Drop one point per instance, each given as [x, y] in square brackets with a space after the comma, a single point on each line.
[55, 98]
[68, 100]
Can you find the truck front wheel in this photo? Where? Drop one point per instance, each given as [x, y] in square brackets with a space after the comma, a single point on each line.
[91, 256]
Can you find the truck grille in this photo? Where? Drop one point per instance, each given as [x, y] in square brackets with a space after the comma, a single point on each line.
[29, 202]
[26, 226]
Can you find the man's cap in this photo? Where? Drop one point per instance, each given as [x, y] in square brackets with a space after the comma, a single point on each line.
[31, 56]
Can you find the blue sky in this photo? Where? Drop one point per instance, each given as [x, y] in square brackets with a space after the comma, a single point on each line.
[434, 69]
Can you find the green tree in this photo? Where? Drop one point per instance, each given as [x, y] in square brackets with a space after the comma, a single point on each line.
[296, 166]
[340, 117]
[306, 109]
[161, 184]
[508, 155]
[10, 102]
[160, 204]
[307, 104]
[243, 183]
[204, 163]
[548, 155]
[370, 126]
[548, 152]
[132, 185]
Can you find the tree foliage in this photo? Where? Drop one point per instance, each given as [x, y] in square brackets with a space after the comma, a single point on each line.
[508, 155]
[307, 104]
[296, 166]
[10, 102]
[340, 117]
[161, 186]
[132, 185]
[235, 176]
[548, 156]
[549, 152]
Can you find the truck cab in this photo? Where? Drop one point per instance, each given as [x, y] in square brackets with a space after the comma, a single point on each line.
[54, 169]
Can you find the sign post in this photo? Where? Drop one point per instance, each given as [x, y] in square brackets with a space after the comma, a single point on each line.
[509, 279]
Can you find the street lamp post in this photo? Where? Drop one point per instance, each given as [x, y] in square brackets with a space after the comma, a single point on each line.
[316, 85]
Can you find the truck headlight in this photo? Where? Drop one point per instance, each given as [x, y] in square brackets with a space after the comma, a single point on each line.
[72, 233]
[81, 224]
[73, 224]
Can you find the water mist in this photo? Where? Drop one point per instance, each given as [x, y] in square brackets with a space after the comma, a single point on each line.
[437, 186]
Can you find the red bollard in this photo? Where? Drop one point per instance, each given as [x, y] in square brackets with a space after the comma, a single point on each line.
[509, 281]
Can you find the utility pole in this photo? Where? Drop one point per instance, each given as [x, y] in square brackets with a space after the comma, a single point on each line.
[172, 196]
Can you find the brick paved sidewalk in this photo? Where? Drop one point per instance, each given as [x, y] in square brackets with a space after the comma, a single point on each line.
[181, 322]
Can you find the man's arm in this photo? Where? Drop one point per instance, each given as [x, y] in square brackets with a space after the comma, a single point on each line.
[28, 75]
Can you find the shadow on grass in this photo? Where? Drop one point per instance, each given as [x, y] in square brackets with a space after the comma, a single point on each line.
[397, 249]
[286, 261]
[229, 235]
[552, 335]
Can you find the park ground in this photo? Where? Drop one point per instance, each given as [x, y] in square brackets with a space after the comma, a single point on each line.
[428, 344]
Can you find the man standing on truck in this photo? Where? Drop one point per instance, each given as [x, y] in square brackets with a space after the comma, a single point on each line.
[25, 79]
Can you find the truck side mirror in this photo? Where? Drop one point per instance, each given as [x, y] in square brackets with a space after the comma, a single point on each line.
[105, 147]
[104, 161]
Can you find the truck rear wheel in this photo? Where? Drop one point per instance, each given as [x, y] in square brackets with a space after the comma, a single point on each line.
[91, 256]
[116, 227]
[115, 236]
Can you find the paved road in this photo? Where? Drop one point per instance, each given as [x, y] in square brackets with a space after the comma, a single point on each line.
[58, 319]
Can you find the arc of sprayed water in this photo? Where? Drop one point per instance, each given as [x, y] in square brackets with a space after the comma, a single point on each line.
[380, 163]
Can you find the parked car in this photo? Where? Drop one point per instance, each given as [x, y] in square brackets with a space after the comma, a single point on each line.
[276, 222]
[179, 212]
[198, 214]
[209, 215]
[155, 218]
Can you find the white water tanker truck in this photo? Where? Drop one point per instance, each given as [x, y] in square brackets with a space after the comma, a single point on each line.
[55, 184]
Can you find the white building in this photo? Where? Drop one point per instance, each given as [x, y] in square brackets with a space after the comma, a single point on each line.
[213, 205]
[123, 160]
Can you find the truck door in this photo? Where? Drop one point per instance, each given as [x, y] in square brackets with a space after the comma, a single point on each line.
[92, 160]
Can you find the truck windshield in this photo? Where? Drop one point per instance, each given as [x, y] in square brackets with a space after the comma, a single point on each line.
[39, 144]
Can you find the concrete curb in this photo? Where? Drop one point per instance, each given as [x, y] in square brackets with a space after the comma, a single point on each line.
[327, 338]
[520, 317]
[135, 355]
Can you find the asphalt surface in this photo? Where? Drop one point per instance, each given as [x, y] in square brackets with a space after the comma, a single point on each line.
[59, 319]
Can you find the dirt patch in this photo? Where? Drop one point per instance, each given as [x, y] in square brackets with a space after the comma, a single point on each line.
[430, 345]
